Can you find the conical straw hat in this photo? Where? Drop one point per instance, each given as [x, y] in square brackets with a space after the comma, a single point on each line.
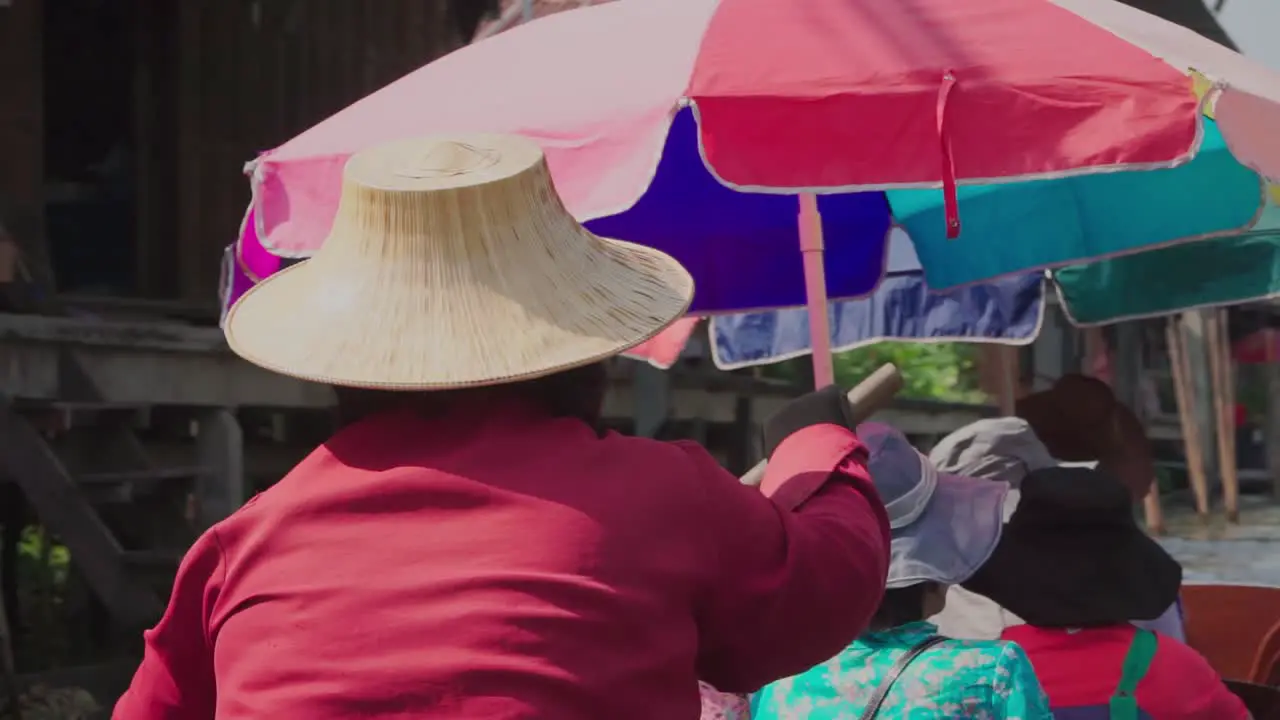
[452, 263]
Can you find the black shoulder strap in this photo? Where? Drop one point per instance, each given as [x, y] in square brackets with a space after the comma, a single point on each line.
[882, 691]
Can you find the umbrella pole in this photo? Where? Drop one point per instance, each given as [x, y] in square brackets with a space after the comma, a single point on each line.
[815, 286]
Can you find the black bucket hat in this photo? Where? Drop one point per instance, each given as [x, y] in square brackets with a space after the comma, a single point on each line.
[1072, 555]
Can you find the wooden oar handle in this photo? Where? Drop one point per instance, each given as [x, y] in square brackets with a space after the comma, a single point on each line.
[873, 393]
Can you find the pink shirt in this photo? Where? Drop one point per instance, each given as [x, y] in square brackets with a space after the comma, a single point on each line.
[723, 706]
[502, 564]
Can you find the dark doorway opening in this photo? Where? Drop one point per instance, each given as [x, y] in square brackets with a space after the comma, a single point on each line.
[89, 148]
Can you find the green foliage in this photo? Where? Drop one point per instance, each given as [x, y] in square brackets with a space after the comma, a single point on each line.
[44, 568]
[31, 551]
[933, 371]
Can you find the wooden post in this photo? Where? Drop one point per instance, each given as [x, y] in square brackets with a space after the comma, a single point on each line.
[1009, 372]
[1229, 369]
[738, 455]
[1096, 361]
[1218, 403]
[144, 93]
[1272, 429]
[1126, 369]
[1200, 381]
[220, 490]
[157, 56]
[1178, 363]
[742, 453]
[1152, 511]
[22, 132]
[192, 98]
[1224, 410]
[650, 398]
[13, 698]
[1049, 351]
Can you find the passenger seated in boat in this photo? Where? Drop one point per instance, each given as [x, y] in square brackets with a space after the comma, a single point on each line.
[472, 544]
[1080, 419]
[1006, 449]
[1074, 565]
[943, 527]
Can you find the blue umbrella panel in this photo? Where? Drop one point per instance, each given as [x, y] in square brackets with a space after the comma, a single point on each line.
[1007, 311]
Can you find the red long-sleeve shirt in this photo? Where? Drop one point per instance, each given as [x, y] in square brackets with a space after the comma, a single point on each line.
[502, 564]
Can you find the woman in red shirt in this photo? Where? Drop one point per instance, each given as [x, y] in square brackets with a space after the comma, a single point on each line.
[1075, 566]
[470, 545]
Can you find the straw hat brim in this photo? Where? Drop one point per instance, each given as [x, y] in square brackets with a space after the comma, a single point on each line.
[337, 325]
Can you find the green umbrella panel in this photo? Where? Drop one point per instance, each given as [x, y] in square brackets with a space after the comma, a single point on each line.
[1214, 272]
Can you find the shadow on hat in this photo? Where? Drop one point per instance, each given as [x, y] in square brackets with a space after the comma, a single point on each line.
[1072, 555]
[1080, 419]
[943, 527]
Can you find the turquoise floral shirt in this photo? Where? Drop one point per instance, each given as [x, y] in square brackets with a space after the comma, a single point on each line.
[980, 679]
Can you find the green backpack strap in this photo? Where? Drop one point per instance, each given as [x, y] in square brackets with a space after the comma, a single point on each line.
[1124, 703]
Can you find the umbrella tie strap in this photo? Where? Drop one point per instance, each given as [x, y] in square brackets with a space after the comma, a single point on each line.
[950, 203]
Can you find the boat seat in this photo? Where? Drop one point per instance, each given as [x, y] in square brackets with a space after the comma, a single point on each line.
[1228, 624]
[1266, 662]
[1263, 701]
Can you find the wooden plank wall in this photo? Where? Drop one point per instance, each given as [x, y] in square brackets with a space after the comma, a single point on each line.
[21, 124]
[253, 73]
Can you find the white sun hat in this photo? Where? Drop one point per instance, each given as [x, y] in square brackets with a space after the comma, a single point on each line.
[943, 527]
[452, 263]
[1003, 448]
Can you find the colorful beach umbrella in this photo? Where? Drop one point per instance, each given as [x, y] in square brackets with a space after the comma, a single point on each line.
[703, 127]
